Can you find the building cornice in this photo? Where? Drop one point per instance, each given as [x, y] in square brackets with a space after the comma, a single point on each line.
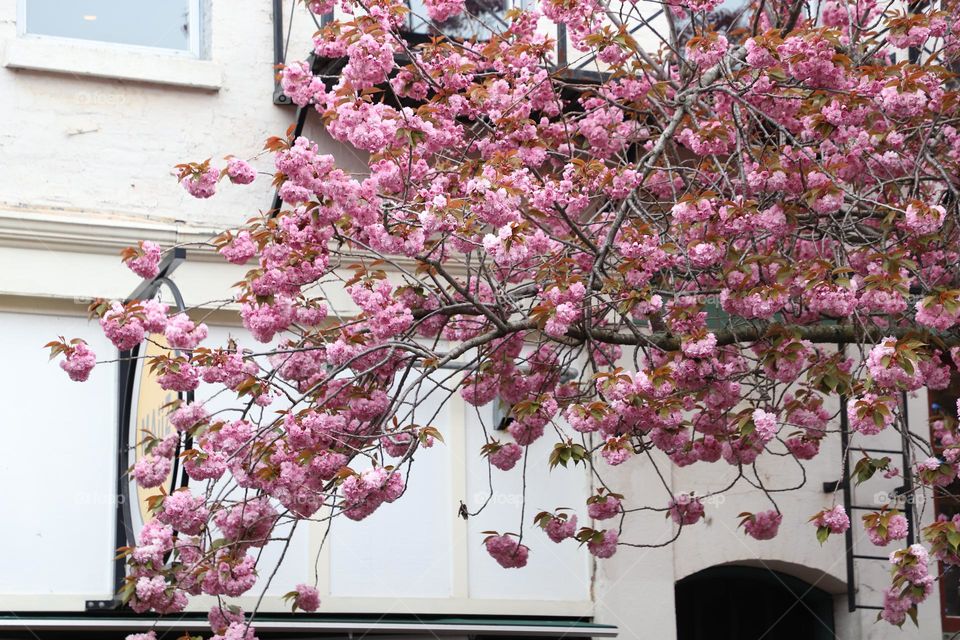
[108, 233]
[84, 231]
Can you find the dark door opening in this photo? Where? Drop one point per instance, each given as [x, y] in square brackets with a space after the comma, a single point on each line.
[748, 603]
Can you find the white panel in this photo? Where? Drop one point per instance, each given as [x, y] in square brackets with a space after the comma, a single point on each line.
[404, 548]
[56, 470]
[554, 571]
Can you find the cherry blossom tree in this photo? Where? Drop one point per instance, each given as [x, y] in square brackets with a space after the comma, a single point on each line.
[678, 243]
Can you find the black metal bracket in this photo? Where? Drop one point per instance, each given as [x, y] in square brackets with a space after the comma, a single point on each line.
[103, 605]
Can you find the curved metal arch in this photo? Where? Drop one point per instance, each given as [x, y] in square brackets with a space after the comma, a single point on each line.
[128, 360]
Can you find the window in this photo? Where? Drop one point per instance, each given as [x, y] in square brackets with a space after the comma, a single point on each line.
[174, 26]
[729, 19]
[480, 19]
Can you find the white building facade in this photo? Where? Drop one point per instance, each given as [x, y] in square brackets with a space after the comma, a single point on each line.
[90, 129]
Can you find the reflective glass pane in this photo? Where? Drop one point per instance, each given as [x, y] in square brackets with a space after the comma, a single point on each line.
[147, 23]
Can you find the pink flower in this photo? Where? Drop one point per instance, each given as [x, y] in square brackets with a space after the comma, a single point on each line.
[560, 528]
[701, 348]
[188, 416]
[871, 414]
[936, 315]
[166, 447]
[603, 508]
[79, 361]
[884, 362]
[706, 52]
[205, 466]
[835, 519]
[237, 631]
[232, 576]
[397, 444]
[803, 448]
[184, 512]
[763, 525]
[248, 522]
[370, 61]
[686, 509]
[615, 451]
[240, 249]
[443, 10]
[222, 617]
[155, 316]
[144, 261]
[124, 330]
[183, 334]
[151, 471]
[924, 219]
[308, 598]
[885, 528]
[765, 425]
[240, 172]
[201, 185]
[508, 553]
[301, 86]
[364, 493]
[507, 456]
[265, 320]
[606, 547]
[179, 376]
[895, 607]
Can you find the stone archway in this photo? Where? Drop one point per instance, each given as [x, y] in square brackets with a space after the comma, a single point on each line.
[734, 602]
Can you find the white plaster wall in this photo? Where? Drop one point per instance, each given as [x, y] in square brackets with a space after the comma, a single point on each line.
[107, 146]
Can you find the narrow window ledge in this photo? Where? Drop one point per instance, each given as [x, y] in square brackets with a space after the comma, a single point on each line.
[98, 61]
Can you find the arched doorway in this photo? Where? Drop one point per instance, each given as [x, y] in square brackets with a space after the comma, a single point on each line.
[750, 603]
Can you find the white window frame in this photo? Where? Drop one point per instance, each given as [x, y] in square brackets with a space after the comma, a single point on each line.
[198, 25]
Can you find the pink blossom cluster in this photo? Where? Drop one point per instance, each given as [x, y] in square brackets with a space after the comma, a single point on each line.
[182, 333]
[606, 546]
[603, 507]
[886, 528]
[201, 184]
[835, 519]
[307, 598]
[763, 525]
[685, 509]
[560, 527]
[443, 10]
[145, 261]
[240, 249]
[301, 86]
[79, 361]
[912, 583]
[506, 456]
[184, 511]
[240, 172]
[507, 551]
[364, 493]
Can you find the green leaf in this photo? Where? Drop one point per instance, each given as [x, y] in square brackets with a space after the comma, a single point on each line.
[822, 534]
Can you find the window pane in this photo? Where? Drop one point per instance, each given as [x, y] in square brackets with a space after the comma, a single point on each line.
[480, 19]
[148, 23]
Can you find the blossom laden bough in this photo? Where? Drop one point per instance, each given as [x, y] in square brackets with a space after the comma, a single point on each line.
[685, 260]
